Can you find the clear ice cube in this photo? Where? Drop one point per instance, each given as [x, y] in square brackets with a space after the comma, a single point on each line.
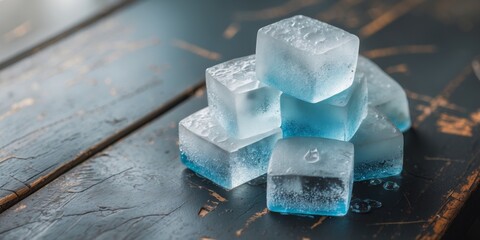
[306, 58]
[206, 148]
[378, 148]
[337, 117]
[310, 176]
[242, 105]
[385, 94]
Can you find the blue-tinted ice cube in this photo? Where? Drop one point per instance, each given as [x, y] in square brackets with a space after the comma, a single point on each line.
[337, 117]
[378, 148]
[306, 58]
[241, 104]
[385, 94]
[310, 176]
[206, 148]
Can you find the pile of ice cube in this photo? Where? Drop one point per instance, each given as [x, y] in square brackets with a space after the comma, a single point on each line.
[307, 110]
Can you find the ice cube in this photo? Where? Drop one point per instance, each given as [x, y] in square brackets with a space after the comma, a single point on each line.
[242, 105]
[337, 117]
[378, 148]
[206, 148]
[310, 176]
[385, 94]
[306, 58]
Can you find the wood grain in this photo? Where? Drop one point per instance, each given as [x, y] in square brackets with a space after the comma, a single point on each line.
[28, 26]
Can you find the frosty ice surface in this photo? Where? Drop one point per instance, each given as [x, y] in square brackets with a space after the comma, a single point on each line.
[378, 148]
[337, 117]
[306, 58]
[206, 148]
[385, 94]
[241, 104]
[310, 176]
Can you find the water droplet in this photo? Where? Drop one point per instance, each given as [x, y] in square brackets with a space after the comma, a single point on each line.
[375, 182]
[373, 203]
[391, 186]
[359, 206]
[312, 155]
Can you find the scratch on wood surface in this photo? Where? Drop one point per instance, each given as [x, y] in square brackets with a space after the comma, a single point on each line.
[388, 17]
[317, 223]
[231, 30]
[207, 208]
[442, 98]
[442, 159]
[427, 99]
[20, 207]
[408, 201]
[211, 192]
[250, 220]
[397, 223]
[27, 102]
[202, 52]
[455, 125]
[18, 32]
[398, 50]
[399, 68]
[476, 67]
[438, 223]
[207, 238]
[274, 12]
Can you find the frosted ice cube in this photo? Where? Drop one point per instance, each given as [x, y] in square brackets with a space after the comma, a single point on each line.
[310, 176]
[378, 148]
[242, 105]
[337, 117]
[206, 148]
[306, 58]
[385, 94]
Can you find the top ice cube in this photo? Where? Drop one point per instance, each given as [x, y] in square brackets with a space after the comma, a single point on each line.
[306, 58]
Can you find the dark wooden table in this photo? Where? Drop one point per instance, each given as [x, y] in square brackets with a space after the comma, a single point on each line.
[89, 110]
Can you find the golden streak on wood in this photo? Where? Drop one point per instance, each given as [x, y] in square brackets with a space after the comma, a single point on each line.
[250, 220]
[27, 102]
[398, 223]
[455, 125]
[231, 30]
[202, 52]
[388, 17]
[207, 208]
[399, 68]
[439, 222]
[18, 32]
[320, 221]
[274, 12]
[392, 51]
[6, 199]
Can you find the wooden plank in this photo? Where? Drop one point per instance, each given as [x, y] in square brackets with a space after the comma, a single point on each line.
[68, 101]
[28, 26]
[139, 189]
